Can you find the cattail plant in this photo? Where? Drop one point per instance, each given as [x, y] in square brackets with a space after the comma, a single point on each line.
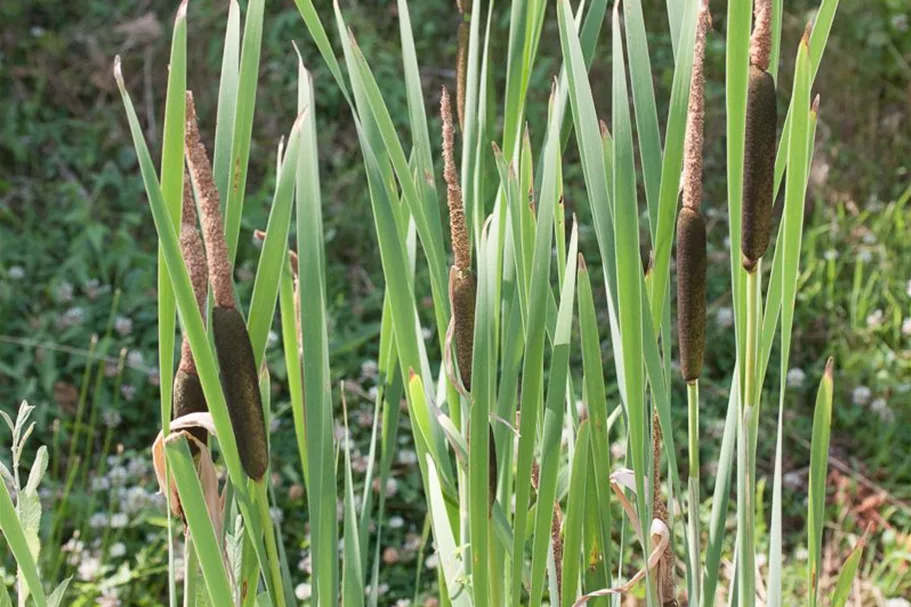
[232, 342]
[691, 282]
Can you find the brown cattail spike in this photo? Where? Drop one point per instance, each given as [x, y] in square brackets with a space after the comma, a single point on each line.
[241, 387]
[188, 395]
[213, 230]
[761, 40]
[758, 167]
[462, 72]
[691, 277]
[461, 247]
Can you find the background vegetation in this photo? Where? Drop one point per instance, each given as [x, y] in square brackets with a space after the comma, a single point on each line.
[77, 259]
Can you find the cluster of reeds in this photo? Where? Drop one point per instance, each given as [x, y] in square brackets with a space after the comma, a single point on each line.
[521, 485]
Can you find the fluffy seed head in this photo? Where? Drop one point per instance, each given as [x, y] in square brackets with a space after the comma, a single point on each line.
[761, 40]
[461, 248]
[758, 167]
[241, 386]
[692, 160]
[194, 256]
[691, 269]
[462, 72]
[213, 230]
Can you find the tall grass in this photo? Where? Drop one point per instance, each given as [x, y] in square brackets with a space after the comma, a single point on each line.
[521, 487]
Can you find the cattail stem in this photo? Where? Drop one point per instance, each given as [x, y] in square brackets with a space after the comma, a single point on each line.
[664, 578]
[693, 501]
[745, 459]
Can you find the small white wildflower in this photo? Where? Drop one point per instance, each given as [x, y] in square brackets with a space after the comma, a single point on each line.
[119, 520]
[111, 418]
[118, 475]
[865, 256]
[618, 450]
[303, 591]
[89, 568]
[72, 317]
[369, 369]
[831, 255]
[882, 408]
[869, 238]
[135, 359]
[801, 554]
[93, 288]
[861, 395]
[110, 368]
[137, 466]
[305, 564]
[275, 424]
[396, 522]
[903, 387]
[64, 292]
[109, 598]
[725, 317]
[128, 391]
[134, 500]
[407, 457]
[403, 603]
[900, 23]
[100, 483]
[432, 561]
[117, 550]
[272, 339]
[426, 333]
[906, 326]
[276, 514]
[796, 377]
[123, 325]
[37, 31]
[98, 520]
[875, 319]
[392, 487]
[373, 392]
[16, 273]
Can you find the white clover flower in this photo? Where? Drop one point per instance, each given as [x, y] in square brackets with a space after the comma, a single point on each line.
[396, 522]
[111, 418]
[830, 255]
[801, 554]
[123, 325]
[72, 317]
[861, 395]
[118, 475]
[875, 319]
[16, 273]
[100, 483]
[64, 292]
[407, 457]
[725, 317]
[306, 564]
[372, 392]
[117, 550]
[276, 514]
[865, 256]
[369, 369]
[109, 598]
[303, 591]
[882, 408]
[426, 333]
[137, 466]
[119, 520]
[134, 500]
[272, 339]
[432, 561]
[403, 603]
[796, 377]
[135, 359]
[98, 520]
[89, 568]
[128, 391]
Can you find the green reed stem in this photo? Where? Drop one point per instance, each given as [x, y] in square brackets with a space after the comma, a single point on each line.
[692, 396]
[271, 549]
[745, 514]
[190, 576]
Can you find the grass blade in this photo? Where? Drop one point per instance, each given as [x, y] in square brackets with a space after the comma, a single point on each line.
[194, 507]
[575, 513]
[227, 102]
[243, 122]
[848, 571]
[819, 461]
[18, 545]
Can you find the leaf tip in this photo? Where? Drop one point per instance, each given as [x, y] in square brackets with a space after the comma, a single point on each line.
[581, 264]
[807, 32]
[829, 374]
[815, 107]
[181, 11]
[118, 72]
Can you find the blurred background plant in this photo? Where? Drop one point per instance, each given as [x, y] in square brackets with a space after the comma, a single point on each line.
[77, 260]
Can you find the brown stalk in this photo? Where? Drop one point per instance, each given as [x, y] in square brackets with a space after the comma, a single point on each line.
[667, 587]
